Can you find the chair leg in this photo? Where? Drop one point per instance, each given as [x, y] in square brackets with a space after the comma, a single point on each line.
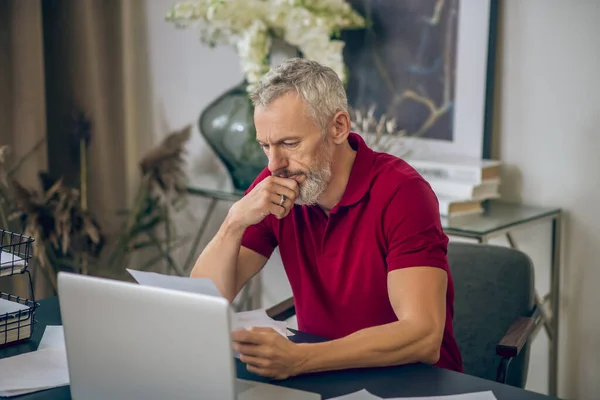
[503, 369]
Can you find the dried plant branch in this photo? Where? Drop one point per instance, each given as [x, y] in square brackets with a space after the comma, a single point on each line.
[381, 134]
[55, 218]
[164, 164]
[162, 188]
[38, 145]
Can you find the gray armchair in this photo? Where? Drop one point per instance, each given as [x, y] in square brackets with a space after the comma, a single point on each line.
[494, 310]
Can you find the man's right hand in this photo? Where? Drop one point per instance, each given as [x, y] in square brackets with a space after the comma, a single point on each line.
[263, 200]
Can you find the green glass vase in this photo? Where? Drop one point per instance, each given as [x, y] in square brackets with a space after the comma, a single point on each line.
[227, 124]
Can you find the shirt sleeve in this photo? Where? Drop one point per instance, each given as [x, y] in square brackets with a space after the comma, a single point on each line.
[260, 237]
[413, 228]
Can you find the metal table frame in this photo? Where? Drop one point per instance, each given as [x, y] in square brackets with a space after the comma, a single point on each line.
[250, 297]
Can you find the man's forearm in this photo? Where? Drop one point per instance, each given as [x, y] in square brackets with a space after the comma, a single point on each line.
[397, 343]
[219, 259]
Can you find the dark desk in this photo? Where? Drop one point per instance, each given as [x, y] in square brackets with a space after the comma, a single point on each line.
[409, 380]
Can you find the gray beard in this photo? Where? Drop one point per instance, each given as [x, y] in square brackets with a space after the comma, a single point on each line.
[315, 184]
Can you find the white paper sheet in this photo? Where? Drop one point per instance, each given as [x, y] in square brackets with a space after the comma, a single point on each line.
[10, 263]
[191, 285]
[360, 395]
[7, 259]
[7, 306]
[36, 370]
[257, 318]
[42, 369]
[54, 336]
[13, 393]
[366, 395]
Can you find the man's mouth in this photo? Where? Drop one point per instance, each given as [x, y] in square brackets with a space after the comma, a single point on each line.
[298, 177]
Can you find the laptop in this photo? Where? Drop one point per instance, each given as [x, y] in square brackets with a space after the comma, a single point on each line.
[128, 341]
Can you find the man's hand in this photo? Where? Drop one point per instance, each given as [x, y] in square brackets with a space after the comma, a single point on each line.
[265, 199]
[265, 352]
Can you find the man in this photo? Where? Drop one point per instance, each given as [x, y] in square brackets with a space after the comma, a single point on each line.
[359, 235]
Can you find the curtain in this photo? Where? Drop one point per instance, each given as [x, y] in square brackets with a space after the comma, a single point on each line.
[90, 55]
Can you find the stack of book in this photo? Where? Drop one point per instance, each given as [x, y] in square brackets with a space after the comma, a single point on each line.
[461, 184]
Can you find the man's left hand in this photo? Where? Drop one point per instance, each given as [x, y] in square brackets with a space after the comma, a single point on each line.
[265, 352]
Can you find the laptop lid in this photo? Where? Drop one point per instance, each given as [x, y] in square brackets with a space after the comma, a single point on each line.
[127, 341]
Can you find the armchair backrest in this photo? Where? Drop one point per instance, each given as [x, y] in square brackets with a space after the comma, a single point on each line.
[493, 286]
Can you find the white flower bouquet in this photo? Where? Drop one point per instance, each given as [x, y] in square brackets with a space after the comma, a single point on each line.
[312, 26]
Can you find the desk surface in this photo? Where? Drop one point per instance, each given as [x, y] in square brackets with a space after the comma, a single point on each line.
[408, 380]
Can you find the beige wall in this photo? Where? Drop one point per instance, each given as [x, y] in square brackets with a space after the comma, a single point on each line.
[547, 133]
[548, 118]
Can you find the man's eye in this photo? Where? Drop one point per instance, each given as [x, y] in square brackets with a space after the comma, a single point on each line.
[291, 145]
[265, 146]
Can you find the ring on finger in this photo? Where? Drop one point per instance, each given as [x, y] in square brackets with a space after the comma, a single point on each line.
[282, 200]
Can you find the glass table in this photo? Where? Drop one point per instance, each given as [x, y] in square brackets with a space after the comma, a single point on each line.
[499, 219]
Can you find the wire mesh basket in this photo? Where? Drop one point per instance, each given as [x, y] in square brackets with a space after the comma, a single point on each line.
[16, 250]
[16, 313]
[16, 318]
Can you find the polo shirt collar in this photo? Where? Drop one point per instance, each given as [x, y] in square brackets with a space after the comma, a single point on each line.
[360, 176]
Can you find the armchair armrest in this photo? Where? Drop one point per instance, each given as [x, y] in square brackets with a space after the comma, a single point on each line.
[282, 311]
[516, 336]
[512, 343]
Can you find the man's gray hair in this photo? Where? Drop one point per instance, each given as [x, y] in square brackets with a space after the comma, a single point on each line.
[319, 87]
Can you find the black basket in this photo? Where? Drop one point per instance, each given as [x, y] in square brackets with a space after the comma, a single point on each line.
[16, 250]
[17, 314]
[16, 325]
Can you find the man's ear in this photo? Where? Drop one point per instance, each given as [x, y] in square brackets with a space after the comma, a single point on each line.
[340, 127]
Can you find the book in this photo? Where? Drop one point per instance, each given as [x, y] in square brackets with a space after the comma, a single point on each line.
[453, 207]
[460, 169]
[488, 189]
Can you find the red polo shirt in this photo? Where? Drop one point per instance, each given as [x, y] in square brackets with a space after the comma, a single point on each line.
[388, 218]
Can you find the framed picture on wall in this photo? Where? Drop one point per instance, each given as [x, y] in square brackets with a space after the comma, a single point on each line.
[430, 65]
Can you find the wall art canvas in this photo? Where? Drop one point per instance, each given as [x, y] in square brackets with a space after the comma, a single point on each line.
[428, 64]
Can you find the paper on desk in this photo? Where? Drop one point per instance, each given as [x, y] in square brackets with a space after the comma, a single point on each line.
[42, 369]
[33, 371]
[54, 336]
[191, 285]
[257, 318]
[366, 395]
[360, 395]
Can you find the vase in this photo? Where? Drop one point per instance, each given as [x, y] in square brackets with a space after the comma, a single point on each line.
[227, 125]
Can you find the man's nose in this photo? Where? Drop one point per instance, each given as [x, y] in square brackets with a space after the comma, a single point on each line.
[277, 160]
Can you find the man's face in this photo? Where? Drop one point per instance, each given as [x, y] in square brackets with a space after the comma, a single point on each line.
[296, 147]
